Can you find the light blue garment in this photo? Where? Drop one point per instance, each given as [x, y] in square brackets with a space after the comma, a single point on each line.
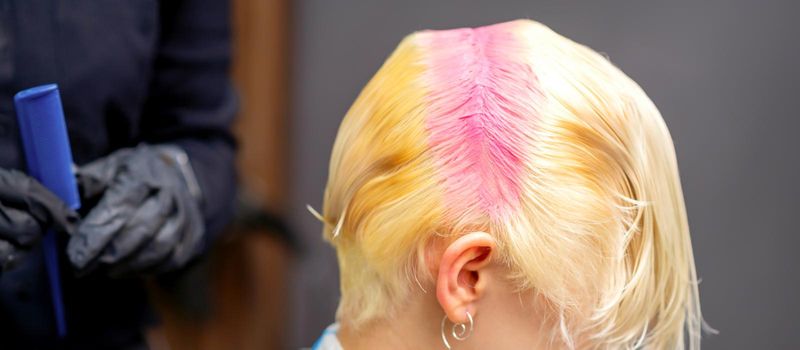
[328, 340]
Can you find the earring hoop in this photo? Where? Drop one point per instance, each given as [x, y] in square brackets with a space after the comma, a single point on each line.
[460, 331]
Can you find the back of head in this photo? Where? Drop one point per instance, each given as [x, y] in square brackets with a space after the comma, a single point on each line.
[514, 130]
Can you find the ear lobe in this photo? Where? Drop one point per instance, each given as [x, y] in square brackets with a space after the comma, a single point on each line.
[462, 278]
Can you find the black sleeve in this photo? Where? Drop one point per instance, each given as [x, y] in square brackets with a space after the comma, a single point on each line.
[191, 102]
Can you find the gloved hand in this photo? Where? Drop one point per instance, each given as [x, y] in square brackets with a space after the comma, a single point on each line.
[27, 209]
[147, 218]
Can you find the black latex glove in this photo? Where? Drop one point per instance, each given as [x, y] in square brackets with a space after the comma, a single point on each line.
[147, 218]
[27, 209]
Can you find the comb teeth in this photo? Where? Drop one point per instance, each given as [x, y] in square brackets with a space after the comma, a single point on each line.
[481, 112]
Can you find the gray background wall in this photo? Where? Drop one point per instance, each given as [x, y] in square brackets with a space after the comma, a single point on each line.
[724, 74]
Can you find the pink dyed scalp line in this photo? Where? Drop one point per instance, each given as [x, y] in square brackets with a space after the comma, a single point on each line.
[481, 109]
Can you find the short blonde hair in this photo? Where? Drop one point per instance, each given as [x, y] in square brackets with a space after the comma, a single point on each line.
[515, 130]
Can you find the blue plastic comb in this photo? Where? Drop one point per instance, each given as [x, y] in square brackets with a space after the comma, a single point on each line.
[49, 159]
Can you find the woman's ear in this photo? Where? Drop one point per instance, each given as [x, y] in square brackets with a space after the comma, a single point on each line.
[462, 276]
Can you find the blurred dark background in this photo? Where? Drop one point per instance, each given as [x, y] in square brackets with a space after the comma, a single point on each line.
[723, 73]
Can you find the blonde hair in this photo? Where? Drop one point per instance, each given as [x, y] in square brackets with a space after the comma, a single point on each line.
[517, 131]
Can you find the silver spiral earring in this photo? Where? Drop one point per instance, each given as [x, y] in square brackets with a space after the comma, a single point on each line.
[460, 331]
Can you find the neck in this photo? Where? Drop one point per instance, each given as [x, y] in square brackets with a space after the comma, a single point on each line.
[504, 319]
[415, 327]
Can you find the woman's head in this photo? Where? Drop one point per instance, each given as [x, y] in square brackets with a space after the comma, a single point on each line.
[540, 149]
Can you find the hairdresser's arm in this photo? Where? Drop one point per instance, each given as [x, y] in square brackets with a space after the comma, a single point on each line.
[161, 204]
[192, 104]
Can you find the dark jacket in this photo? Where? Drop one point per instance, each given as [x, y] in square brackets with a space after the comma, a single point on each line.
[129, 71]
